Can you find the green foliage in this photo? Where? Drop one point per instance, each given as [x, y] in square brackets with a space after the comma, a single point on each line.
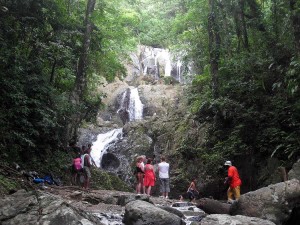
[104, 180]
[40, 46]
[7, 185]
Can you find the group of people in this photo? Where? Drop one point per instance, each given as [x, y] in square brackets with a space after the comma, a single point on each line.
[81, 166]
[146, 177]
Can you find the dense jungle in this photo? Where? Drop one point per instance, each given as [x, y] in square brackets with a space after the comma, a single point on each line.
[241, 100]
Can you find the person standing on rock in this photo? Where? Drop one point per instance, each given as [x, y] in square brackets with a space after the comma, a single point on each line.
[163, 172]
[144, 161]
[234, 182]
[139, 173]
[87, 164]
[149, 179]
[92, 160]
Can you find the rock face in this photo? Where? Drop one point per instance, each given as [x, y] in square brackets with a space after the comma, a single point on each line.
[144, 213]
[41, 208]
[221, 219]
[294, 173]
[212, 206]
[274, 203]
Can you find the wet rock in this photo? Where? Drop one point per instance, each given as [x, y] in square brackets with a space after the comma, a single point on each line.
[222, 219]
[172, 210]
[212, 206]
[144, 213]
[124, 199]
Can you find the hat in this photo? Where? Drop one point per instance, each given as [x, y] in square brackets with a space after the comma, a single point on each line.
[228, 163]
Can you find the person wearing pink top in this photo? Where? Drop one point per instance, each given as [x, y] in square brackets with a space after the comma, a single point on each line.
[76, 168]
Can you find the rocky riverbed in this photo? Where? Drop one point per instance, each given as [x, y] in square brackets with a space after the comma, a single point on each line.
[72, 205]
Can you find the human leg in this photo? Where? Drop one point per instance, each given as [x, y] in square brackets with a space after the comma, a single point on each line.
[87, 174]
[162, 187]
[230, 195]
[149, 190]
[167, 187]
[139, 182]
[236, 192]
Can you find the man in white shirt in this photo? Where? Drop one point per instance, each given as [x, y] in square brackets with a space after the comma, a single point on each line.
[163, 171]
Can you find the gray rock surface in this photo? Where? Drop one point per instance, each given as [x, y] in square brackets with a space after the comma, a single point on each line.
[274, 203]
[212, 206]
[41, 208]
[222, 219]
[294, 173]
[144, 213]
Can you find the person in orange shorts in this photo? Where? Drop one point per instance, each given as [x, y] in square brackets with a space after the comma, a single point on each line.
[234, 181]
[149, 179]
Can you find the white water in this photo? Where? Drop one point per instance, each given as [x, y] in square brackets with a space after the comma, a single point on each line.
[135, 106]
[179, 64]
[122, 102]
[102, 143]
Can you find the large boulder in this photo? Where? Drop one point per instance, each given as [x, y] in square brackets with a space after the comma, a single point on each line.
[41, 208]
[274, 203]
[144, 213]
[294, 173]
[222, 219]
[212, 206]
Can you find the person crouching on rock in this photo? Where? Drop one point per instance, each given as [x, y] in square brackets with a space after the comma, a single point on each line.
[149, 179]
[192, 190]
[139, 173]
[234, 182]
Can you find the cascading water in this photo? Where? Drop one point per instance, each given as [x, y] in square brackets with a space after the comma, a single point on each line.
[135, 106]
[102, 143]
[131, 107]
[179, 64]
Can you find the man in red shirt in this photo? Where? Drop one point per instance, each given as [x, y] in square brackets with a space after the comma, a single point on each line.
[234, 182]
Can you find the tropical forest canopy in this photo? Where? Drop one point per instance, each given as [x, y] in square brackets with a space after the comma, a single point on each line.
[54, 54]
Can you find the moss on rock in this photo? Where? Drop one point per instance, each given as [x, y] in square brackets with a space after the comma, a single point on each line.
[108, 181]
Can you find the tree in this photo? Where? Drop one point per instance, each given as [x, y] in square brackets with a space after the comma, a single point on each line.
[214, 47]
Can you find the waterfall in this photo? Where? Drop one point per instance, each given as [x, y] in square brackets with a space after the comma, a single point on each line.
[135, 106]
[122, 102]
[179, 64]
[102, 143]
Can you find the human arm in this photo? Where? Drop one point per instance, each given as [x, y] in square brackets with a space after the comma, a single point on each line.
[93, 162]
[87, 160]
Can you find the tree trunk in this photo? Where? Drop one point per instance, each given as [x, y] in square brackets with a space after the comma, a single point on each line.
[243, 22]
[214, 48]
[52, 77]
[80, 83]
[76, 97]
[295, 19]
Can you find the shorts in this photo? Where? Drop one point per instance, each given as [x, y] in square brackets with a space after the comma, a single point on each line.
[192, 194]
[164, 185]
[87, 171]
